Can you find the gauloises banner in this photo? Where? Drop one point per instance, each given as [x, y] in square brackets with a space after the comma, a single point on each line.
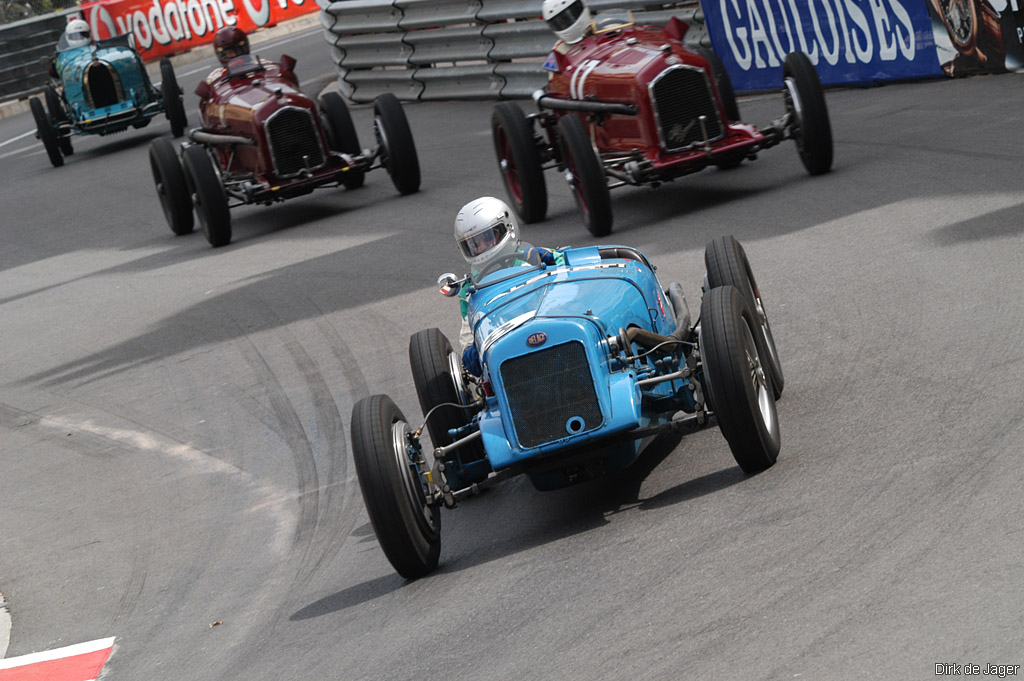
[164, 27]
[978, 36]
[848, 41]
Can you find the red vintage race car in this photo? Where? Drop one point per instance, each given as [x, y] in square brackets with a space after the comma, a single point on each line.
[262, 140]
[631, 104]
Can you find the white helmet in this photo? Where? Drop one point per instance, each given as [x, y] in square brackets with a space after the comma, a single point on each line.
[569, 19]
[77, 33]
[486, 229]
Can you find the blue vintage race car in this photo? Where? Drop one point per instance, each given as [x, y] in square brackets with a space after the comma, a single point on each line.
[99, 89]
[583, 365]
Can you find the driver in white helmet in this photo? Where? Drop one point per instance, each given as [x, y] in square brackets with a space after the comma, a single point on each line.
[77, 33]
[487, 234]
[569, 19]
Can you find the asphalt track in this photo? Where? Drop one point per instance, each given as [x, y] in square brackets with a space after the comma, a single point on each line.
[175, 467]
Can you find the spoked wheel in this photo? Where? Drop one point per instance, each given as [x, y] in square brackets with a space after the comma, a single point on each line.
[727, 265]
[805, 102]
[741, 390]
[398, 152]
[437, 374]
[725, 91]
[47, 135]
[585, 175]
[208, 196]
[58, 116]
[341, 135]
[174, 105]
[519, 161]
[407, 528]
[171, 186]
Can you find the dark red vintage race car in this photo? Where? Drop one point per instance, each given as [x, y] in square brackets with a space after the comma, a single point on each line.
[262, 140]
[631, 104]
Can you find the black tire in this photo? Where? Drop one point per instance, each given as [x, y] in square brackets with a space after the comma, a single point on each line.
[436, 373]
[58, 117]
[407, 529]
[741, 391]
[398, 151]
[47, 135]
[805, 101]
[208, 197]
[174, 105]
[519, 161]
[589, 184]
[727, 265]
[724, 83]
[171, 186]
[341, 134]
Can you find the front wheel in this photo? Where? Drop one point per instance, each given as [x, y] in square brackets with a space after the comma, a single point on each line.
[341, 135]
[174, 105]
[437, 375]
[47, 135]
[407, 527]
[171, 186]
[208, 195]
[723, 83]
[59, 117]
[740, 388]
[398, 152]
[727, 265]
[519, 161]
[585, 175]
[805, 102]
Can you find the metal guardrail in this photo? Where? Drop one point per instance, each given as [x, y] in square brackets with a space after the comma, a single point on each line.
[459, 49]
[27, 46]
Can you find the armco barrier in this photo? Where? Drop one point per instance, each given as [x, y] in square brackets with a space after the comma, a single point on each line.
[26, 47]
[458, 49]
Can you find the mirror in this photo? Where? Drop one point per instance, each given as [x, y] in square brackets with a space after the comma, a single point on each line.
[448, 284]
[287, 63]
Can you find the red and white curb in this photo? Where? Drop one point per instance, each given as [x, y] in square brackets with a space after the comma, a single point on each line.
[81, 662]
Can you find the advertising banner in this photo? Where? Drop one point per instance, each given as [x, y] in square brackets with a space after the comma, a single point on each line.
[848, 41]
[166, 27]
[978, 36]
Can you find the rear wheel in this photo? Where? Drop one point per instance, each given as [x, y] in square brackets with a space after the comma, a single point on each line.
[407, 528]
[805, 102]
[727, 265]
[437, 374]
[341, 135]
[398, 152]
[519, 161]
[585, 175]
[174, 105]
[740, 388]
[47, 135]
[171, 186]
[208, 196]
[58, 116]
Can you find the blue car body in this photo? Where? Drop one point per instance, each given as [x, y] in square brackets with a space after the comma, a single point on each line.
[555, 382]
[105, 88]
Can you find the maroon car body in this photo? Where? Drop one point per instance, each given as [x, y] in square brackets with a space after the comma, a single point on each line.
[631, 104]
[262, 140]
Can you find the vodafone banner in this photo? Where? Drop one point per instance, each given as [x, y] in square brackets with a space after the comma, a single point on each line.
[165, 27]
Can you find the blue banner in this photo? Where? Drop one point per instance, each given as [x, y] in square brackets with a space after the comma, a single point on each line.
[848, 41]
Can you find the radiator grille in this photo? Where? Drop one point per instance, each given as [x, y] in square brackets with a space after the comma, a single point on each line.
[293, 135]
[551, 394]
[680, 95]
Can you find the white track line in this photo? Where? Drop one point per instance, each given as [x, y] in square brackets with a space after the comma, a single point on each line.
[15, 139]
[59, 653]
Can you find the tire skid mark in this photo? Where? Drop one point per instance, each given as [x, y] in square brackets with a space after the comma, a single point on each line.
[288, 425]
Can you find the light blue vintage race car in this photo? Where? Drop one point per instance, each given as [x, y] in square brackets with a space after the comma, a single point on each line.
[100, 89]
[583, 365]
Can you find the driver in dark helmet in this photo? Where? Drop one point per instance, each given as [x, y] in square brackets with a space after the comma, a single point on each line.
[230, 42]
[487, 233]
